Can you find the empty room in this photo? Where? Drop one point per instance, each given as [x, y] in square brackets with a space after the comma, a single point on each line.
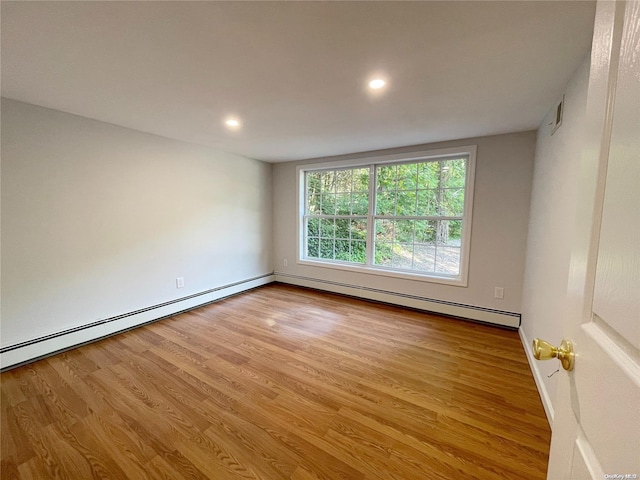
[368, 240]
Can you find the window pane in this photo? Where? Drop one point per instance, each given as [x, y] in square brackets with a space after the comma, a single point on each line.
[402, 255]
[342, 250]
[404, 231]
[448, 260]
[328, 206]
[358, 229]
[386, 203]
[358, 251]
[454, 232]
[327, 181]
[313, 227]
[425, 231]
[407, 176]
[342, 228]
[343, 204]
[343, 181]
[427, 203]
[361, 180]
[313, 182]
[454, 173]
[383, 253]
[385, 230]
[360, 203]
[326, 248]
[429, 175]
[386, 177]
[313, 204]
[452, 202]
[424, 257]
[313, 247]
[327, 227]
[313, 193]
[406, 203]
[448, 232]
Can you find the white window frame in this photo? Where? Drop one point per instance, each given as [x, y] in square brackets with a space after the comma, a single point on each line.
[461, 280]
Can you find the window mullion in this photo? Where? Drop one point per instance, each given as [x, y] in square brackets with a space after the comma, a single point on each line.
[370, 217]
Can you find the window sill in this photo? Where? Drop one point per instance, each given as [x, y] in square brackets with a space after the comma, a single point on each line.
[443, 280]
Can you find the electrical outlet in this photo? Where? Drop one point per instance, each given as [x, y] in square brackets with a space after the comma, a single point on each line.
[285, 262]
[180, 282]
[499, 293]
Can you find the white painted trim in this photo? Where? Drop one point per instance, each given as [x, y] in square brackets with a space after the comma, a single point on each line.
[537, 376]
[49, 346]
[396, 157]
[495, 317]
[444, 280]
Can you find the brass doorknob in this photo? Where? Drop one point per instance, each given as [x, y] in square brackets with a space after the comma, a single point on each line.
[543, 350]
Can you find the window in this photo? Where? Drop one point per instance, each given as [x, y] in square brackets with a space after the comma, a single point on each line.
[400, 217]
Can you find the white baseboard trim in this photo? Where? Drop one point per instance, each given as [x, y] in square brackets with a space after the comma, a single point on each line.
[26, 352]
[480, 314]
[537, 376]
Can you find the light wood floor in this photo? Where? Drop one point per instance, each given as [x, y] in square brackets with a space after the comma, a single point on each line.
[281, 383]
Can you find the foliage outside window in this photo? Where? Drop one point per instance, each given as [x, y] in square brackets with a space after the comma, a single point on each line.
[398, 217]
[337, 209]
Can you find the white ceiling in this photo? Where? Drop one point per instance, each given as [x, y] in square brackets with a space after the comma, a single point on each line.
[295, 73]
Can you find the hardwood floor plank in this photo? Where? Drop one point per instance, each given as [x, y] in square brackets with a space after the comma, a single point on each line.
[12, 392]
[119, 442]
[214, 461]
[280, 383]
[68, 407]
[81, 456]
[16, 427]
[158, 468]
[9, 469]
[34, 469]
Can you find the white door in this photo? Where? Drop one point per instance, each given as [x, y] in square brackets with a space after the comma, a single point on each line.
[596, 431]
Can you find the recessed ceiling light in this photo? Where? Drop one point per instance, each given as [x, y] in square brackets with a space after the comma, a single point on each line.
[377, 83]
[232, 122]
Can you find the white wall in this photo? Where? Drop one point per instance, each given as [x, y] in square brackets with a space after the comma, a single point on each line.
[553, 205]
[501, 208]
[99, 220]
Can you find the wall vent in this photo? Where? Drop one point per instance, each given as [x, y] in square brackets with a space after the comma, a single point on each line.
[557, 119]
